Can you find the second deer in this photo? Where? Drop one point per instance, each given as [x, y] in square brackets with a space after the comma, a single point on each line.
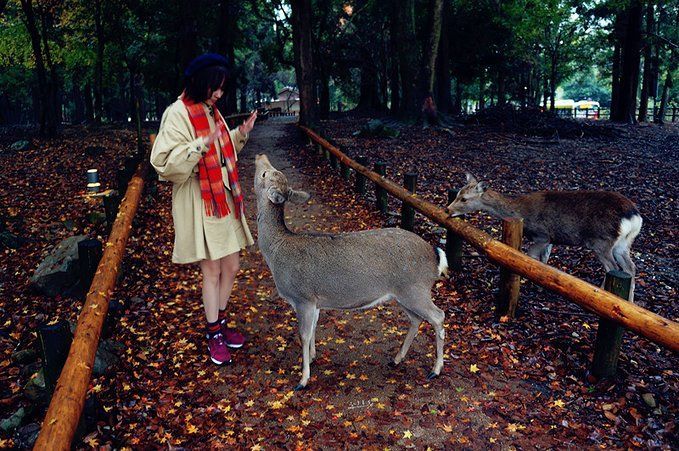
[605, 222]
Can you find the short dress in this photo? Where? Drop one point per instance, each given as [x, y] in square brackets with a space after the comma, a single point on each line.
[175, 156]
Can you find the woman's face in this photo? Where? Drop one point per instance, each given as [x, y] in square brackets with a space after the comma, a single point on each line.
[214, 97]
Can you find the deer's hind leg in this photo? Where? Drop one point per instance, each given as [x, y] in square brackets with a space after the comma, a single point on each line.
[419, 303]
[415, 322]
[306, 315]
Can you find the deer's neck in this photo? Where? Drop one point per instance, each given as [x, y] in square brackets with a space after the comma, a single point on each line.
[271, 226]
[501, 206]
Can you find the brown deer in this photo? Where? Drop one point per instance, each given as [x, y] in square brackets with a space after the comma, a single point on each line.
[605, 222]
[346, 271]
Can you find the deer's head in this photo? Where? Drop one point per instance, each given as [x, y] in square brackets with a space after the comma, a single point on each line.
[271, 182]
[468, 199]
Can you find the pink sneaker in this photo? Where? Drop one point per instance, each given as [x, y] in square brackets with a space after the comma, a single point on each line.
[232, 338]
[219, 353]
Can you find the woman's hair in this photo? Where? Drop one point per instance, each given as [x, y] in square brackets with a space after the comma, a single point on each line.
[200, 85]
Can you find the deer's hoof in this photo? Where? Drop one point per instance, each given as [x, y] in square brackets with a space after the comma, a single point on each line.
[392, 364]
[299, 387]
[432, 375]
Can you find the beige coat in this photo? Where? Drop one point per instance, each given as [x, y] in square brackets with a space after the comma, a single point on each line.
[175, 157]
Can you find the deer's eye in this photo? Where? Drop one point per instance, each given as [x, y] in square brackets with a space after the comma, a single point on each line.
[463, 199]
[263, 174]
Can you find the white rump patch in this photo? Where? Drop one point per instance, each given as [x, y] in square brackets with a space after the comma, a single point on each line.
[443, 262]
[629, 228]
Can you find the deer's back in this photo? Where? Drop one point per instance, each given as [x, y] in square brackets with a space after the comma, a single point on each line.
[575, 217]
[352, 269]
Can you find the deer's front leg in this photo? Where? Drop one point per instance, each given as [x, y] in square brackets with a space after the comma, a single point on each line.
[540, 251]
[306, 314]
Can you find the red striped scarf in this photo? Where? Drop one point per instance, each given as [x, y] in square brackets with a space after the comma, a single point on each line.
[209, 169]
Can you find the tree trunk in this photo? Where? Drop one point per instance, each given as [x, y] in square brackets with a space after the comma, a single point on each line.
[457, 109]
[324, 97]
[369, 101]
[443, 97]
[78, 101]
[660, 118]
[244, 99]
[630, 57]
[304, 67]
[482, 85]
[553, 77]
[228, 20]
[648, 63]
[99, 62]
[89, 111]
[407, 53]
[47, 116]
[429, 63]
[394, 84]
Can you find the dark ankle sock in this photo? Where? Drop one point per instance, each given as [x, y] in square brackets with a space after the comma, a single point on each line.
[213, 329]
[222, 316]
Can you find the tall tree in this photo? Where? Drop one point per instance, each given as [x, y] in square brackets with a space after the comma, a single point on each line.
[304, 65]
[624, 108]
[649, 70]
[48, 114]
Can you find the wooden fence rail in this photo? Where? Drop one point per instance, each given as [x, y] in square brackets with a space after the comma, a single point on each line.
[594, 299]
[68, 400]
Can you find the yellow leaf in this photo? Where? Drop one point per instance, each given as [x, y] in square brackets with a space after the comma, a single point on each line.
[559, 403]
[446, 427]
[407, 434]
[473, 368]
[250, 403]
[191, 429]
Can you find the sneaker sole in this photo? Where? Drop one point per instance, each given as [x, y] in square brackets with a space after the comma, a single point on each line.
[217, 362]
[234, 346]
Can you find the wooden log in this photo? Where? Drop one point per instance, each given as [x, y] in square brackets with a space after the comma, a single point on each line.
[609, 334]
[89, 256]
[360, 178]
[510, 283]
[407, 212]
[381, 199]
[453, 241]
[67, 403]
[594, 299]
[55, 340]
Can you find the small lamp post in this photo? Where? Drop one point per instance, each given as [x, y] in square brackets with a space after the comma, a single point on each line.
[93, 181]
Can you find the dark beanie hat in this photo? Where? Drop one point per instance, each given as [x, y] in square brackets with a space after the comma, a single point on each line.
[203, 61]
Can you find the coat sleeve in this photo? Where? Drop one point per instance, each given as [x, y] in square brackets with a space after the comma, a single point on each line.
[238, 139]
[176, 152]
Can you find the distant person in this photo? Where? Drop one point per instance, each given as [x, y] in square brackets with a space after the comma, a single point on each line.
[197, 152]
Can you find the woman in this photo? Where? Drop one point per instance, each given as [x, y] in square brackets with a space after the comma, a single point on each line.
[196, 151]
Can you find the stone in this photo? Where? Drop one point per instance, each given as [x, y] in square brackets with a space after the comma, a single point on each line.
[106, 357]
[25, 436]
[649, 400]
[59, 270]
[25, 355]
[20, 146]
[13, 421]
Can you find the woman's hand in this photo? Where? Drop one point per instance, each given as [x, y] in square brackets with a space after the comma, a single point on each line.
[247, 126]
[212, 137]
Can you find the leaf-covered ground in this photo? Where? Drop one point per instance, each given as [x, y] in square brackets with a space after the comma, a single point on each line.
[515, 384]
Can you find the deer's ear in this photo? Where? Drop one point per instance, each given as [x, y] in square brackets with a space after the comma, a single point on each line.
[470, 178]
[298, 197]
[481, 187]
[275, 195]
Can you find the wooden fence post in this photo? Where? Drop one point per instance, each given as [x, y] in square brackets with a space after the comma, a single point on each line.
[408, 212]
[89, 255]
[453, 241]
[346, 171]
[609, 334]
[111, 203]
[319, 149]
[510, 283]
[360, 178]
[380, 193]
[55, 341]
[333, 161]
[674, 114]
